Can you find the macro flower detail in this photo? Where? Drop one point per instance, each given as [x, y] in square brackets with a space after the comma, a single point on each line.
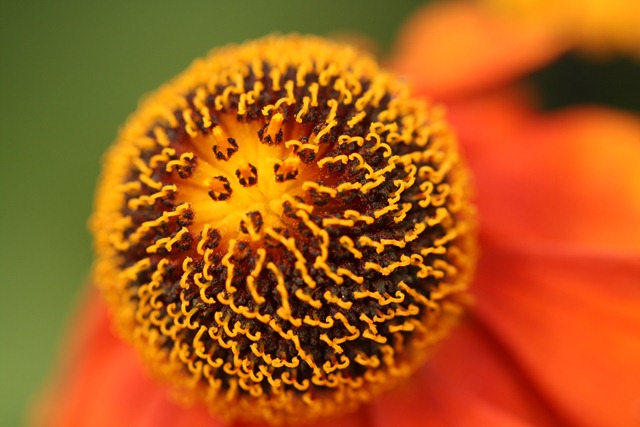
[282, 232]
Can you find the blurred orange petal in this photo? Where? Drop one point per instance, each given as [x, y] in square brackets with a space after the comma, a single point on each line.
[102, 383]
[450, 49]
[440, 404]
[470, 381]
[558, 283]
[571, 177]
[600, 27]
[572, 320]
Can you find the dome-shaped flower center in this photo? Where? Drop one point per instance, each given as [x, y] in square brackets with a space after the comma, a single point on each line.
[282, 232]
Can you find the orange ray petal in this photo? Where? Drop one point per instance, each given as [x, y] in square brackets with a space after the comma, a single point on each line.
[102, 383]
[569, 178]
[573, 322]
[433, 400]
[471, 380]
[453, 48]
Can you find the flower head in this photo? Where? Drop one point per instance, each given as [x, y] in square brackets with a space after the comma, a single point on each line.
[282, 232]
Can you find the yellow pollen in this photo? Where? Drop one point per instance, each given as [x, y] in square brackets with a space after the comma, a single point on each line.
[282, 232]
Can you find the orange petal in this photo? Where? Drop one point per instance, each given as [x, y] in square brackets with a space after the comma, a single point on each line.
[563, 179]
[360, 418]
[602, 28]
[101, 383]
[470, 381]
[573, 322]
[452, 48]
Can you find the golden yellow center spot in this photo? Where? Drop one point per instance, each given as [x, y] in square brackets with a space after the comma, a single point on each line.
[238, 174]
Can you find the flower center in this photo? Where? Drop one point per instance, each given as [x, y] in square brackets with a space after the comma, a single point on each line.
[282, 232]
[242, 182]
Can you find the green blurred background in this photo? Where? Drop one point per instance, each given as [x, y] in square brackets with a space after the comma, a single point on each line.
[70, 74]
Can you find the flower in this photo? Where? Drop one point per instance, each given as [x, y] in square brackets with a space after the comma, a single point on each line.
[553, 336]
